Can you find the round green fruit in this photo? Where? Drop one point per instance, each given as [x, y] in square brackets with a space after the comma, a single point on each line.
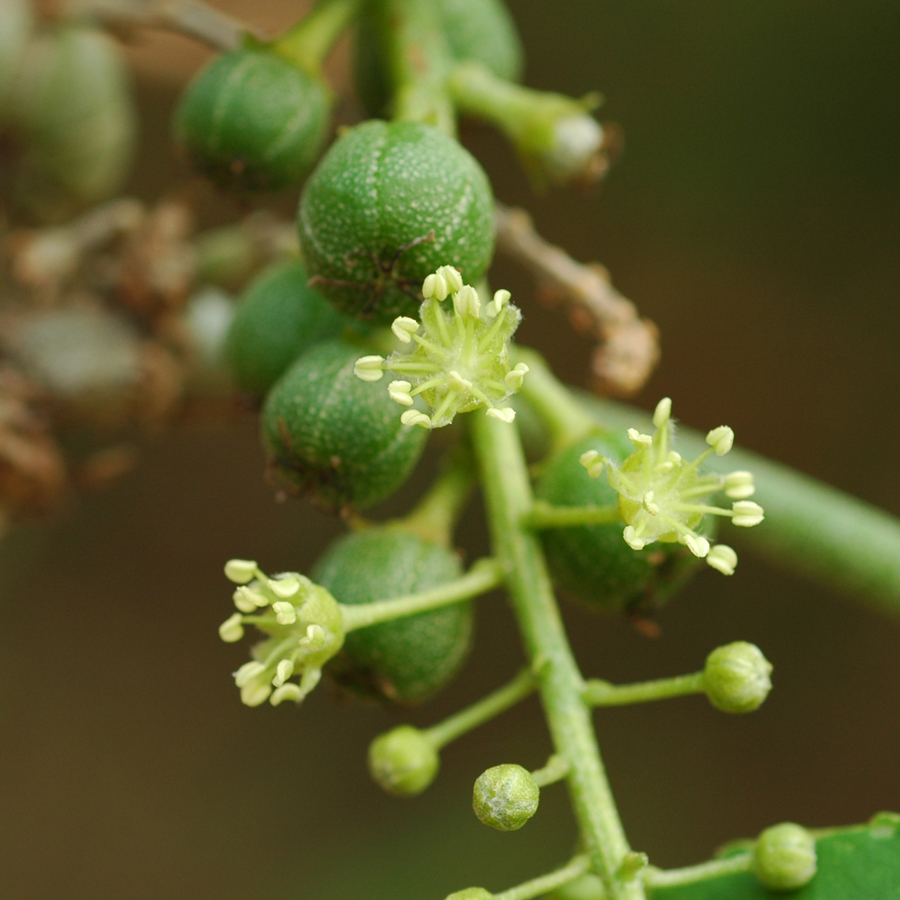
[251, 120]
[593, 562]
[387, 205]
[407, 659]
[278, 318]
[335, 437]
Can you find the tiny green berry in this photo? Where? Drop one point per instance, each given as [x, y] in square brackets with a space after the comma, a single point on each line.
[278, 318]
[403, 761]
[387, 205]
[409, 659]
[472, 893]
[505, 797]
[252, 120]
[784, 857]
[328, 435]
[737, 677]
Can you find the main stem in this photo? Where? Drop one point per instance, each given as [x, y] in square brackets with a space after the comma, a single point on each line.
[508, 496]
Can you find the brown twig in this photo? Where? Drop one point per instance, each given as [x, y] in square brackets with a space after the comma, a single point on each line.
[629, 348]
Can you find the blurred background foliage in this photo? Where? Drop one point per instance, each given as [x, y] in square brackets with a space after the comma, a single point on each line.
[755, 216]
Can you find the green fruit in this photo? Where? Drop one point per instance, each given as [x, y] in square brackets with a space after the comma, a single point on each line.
[71, 111]
[480, 30]
[252, 120]
[334, 436]
[403, 761]
[505, 797]
[279, 317]
[387, 205]
[593, 562]
[406, 659]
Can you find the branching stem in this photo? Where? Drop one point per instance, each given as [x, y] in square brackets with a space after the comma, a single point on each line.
[537, 886]
[656, 878]
[545, 515]
[602, 693]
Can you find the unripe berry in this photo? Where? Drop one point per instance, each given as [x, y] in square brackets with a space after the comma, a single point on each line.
[505, 797]
[252, 120]
[736, 677]
[784, 858]
[278, 318]
[407, 659]
[328, 434]
[593, 562]
[387, 205]
[403, 761]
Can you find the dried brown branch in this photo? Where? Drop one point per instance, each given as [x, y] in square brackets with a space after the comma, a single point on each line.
[629, 348]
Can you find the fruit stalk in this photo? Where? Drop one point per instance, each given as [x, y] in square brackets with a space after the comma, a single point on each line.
[508, 496]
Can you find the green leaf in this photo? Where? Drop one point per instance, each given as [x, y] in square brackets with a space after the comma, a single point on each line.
[857, 863]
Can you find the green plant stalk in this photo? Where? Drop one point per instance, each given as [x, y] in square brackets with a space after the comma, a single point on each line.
[556, 768]
[307, 43]
[657, 878]
[482, 711]
[420, 62]
[484, 576]
[602, 693]
[545, 515]
[504, 479]
[537, 886]
[810, 528]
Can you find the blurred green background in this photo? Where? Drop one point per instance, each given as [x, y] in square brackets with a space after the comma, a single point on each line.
[755, 216]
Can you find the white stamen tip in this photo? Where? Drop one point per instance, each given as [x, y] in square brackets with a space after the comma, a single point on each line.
[231, 629]
[414, 417]
[398, 391]
[315, 635]
[240, 571]
[244, 602]
[255, 693]
[722, 558]
[663, 412]
[369, 368]
[466, 302]
[428, 286]
[404, 327]
[516, 377]
[699, 546]
[248, 672]
[283, 672]
[649, 505]
[501, 298]
[457, 382]
[747, 513]
[721, 439]
[286, 585]
[638, 439]
[507, 415]
[632, 539]
[739, 485]
[286, 692]
[285, 612]
[452, 277]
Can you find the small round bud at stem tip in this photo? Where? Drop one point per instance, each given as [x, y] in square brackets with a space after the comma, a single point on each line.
[231, 629]
[784, 858]
[505, 797]
[737, 677]
[403, 761]
[240, 571]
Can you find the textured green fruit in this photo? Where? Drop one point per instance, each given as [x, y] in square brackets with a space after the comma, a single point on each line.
[72, 113]
[593, 562]
[387, 205]
[403, 761]
[407, 659]
[481, 30]
[279, 317]
[251, 120]
[336, 437]
[505, 797]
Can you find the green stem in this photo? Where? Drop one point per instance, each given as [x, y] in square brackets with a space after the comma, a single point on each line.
[811, 528]
[555, 769]
[563, 414]
[545, 515]
[484, 576]
[308, 42]
[602, 693]
[657, 878]
[508, 496]
[419, 61]
[537, 886]
[484, 710]
[436, 514]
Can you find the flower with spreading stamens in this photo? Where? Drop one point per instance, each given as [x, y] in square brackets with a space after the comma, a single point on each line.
[663, 497]
[304, 629]
[461, 357]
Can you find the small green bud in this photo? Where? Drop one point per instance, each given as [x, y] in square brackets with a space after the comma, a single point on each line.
[473, 893]
[784, 858]
[505, 797]
[737, 677]
[253, 120]
[403, 761]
